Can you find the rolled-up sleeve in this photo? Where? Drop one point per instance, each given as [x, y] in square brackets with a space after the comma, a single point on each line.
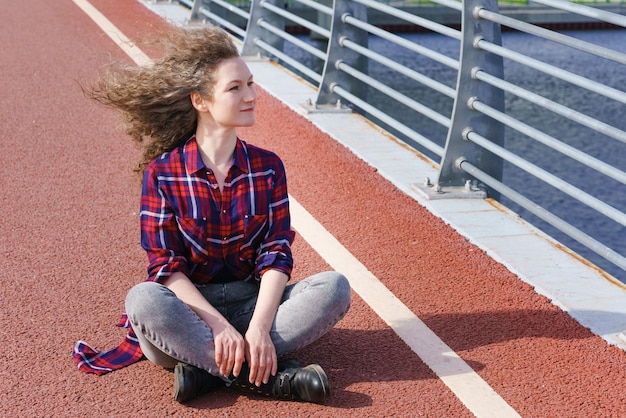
[160, 237]
[275, 250]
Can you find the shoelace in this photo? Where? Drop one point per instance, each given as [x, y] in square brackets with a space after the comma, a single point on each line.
[283, 386]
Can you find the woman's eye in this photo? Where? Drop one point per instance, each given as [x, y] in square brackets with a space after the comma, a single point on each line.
[250, 83]
[234, 88]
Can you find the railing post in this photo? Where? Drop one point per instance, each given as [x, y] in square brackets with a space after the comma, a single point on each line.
[254, 32]
[195, 9]
[337, 53]
[464, 118]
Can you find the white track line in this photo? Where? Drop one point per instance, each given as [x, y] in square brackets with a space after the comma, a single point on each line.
[466, 384]
[116, 35]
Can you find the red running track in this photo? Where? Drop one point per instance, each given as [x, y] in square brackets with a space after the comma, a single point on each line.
[69, 253]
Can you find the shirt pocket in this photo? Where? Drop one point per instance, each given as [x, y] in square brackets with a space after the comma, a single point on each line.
[255, 230]
[195, 234]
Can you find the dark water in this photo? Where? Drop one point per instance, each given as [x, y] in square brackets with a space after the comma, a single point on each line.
[606, 149]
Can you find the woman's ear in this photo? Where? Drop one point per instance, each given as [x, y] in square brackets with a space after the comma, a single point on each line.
[198, 102]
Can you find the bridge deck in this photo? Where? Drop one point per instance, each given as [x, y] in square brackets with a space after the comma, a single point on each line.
[458, 334]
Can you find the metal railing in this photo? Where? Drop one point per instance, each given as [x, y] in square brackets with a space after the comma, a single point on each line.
[457, 104]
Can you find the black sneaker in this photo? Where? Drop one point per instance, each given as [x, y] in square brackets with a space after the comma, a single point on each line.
[307, 384]
[191, 382]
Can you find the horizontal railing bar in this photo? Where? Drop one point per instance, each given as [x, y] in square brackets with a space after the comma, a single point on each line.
[286, 58]
[548, 104]
[578, 44]
[400, 127]
[215, 18]
[232, 8]
[549, 178]
[414, 75]
[420, 21]
[394, 94]
[296, 19]
[580, 9]
[286, 36]
[549, 141]
[577, 80]
[317, 6]
[435, 56]
[547, 216]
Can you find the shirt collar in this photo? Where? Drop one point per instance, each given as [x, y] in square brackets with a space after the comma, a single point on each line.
[194, 162]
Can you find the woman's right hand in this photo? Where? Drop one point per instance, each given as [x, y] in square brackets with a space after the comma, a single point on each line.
[229, 349]
[229, 344]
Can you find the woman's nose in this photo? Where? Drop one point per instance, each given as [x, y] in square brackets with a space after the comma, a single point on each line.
[251, 94]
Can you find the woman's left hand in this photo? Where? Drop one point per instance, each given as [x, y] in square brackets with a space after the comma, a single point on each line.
[260, 351]
[260, 356]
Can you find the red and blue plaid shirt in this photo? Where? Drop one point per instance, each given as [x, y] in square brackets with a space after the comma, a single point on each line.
[188, 225]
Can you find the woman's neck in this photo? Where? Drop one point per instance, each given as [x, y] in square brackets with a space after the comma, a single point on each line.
[217, 148]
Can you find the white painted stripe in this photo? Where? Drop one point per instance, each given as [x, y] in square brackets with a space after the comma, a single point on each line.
[466, 384]
[114, 33]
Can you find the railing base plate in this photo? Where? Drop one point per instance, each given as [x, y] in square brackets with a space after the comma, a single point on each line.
[315, 108]
[431, 192]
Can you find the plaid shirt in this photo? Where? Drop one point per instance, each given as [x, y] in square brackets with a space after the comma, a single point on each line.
[189, 226]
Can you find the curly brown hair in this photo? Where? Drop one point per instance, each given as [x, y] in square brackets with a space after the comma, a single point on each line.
[154, 99]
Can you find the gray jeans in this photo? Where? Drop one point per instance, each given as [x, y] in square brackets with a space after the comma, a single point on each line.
[169, 331]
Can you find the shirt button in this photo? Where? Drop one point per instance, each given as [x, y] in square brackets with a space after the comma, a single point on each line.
[224, 211]
[225, 238]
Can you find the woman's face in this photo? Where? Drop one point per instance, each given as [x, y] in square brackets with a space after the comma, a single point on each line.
[234, 96]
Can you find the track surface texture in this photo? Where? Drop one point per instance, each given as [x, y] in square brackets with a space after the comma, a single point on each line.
[70, 251]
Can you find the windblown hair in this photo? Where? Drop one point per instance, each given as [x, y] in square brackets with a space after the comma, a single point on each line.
[154, 99]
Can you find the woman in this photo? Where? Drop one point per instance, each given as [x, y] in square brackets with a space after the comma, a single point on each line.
[215, 224]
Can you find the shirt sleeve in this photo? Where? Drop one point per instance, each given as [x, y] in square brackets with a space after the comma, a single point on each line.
[160, 237]
[275, 251]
